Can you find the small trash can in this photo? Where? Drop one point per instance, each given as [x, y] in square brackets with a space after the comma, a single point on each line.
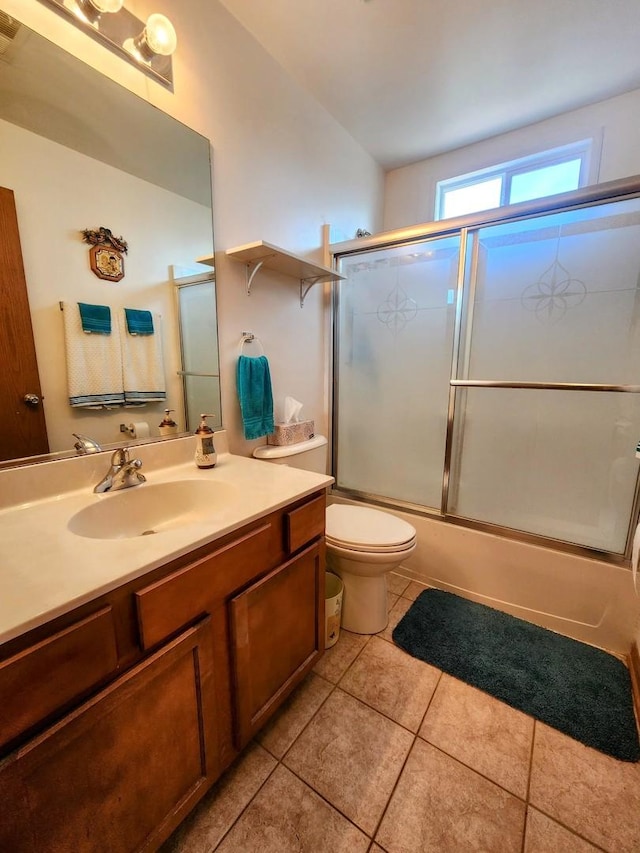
[333, 588]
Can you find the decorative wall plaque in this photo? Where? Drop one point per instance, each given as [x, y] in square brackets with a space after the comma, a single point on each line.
[106, 253]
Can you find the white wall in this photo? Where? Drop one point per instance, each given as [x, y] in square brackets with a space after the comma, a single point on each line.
[613, 125]
[282, 167]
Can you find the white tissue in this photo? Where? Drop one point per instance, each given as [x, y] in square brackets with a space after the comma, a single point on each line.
[635, 557]
[292, 409]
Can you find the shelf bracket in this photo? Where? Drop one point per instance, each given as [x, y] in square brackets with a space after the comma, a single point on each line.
[251, 274]
[306, 284]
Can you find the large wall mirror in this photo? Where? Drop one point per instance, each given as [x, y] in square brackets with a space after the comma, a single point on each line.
[78, 151]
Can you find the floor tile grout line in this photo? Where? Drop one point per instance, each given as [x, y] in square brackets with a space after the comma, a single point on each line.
[531, 754]
[364, 646]
[528, 788]
[307, 724]
[404, 763]
[393, 790]
[337, 686]
[584, 838]
[371, 838]
[417, 736]
[379, 711]
[355, 698]
[350, 664]
[473, 769]
[429, 703]
[279, 761]
[333, 806]
[251, 799]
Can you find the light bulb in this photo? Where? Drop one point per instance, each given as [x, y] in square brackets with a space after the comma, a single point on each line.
[160, 35]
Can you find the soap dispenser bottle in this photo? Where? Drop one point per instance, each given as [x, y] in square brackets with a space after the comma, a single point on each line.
[206, 456]
[168, 426]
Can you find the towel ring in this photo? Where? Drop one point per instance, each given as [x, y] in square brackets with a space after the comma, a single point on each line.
[248, 338]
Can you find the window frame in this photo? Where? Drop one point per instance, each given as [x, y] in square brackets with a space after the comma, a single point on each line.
[582, 150]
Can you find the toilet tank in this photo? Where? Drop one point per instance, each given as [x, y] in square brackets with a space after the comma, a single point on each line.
[310, 455]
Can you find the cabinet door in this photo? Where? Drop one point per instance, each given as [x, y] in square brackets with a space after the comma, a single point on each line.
[277, 627]
[121, 771]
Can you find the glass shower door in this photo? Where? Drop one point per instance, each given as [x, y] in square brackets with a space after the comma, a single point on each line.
[396, 324]
[198, 344]
[545, 431]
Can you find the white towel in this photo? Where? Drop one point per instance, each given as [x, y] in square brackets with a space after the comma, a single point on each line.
[142, 364]
[94, 362]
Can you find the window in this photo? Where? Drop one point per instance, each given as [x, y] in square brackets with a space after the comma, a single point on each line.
[547, 173]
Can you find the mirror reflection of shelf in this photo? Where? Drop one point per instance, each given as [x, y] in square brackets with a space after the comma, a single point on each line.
[263, 255]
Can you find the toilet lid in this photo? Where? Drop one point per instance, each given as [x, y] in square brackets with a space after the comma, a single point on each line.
[365, 529]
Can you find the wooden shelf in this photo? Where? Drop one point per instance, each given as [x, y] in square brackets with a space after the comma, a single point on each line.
[264, 255]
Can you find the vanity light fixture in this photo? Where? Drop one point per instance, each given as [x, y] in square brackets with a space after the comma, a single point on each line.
[147, 46]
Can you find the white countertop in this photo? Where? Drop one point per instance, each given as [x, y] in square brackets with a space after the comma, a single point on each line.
[46, 570]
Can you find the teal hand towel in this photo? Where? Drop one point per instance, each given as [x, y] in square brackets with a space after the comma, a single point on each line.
[256, 398]
[139, 322]
[95, 318]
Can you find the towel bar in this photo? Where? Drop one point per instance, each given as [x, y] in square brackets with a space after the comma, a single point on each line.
[248, 338]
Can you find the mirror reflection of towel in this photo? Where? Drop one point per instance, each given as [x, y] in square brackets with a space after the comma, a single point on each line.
[142, 364]
[139, 322]
[94, 363]
[255, 395]
[95, 319]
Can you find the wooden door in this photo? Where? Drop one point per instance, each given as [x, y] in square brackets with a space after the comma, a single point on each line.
[277, 627]
[22, 426]
[125, 768]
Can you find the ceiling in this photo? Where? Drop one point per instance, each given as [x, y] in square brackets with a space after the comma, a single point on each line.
[413, 78]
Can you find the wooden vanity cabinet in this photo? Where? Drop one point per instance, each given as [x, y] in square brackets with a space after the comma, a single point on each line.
[186, 662]
[268, 614]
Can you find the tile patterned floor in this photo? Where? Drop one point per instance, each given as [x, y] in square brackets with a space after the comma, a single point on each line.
[377, 752]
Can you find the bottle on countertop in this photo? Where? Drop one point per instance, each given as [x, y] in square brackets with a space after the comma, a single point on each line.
[168, 426]
[206, 456]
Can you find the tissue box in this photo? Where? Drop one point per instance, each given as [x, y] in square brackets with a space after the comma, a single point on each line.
[291, 433]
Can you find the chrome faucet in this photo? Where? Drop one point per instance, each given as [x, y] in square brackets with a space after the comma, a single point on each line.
[84, 444]
[124, 473]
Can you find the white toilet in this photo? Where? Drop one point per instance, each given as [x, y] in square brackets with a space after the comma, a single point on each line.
[363, 544]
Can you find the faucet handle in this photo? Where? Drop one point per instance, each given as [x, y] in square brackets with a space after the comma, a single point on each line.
[119, 457]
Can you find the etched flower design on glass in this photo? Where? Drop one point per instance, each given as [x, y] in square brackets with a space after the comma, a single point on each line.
[554, 293]
[397, 310]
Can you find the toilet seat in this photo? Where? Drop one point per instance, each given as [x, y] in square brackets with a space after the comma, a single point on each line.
[371, 549]
[363, 529]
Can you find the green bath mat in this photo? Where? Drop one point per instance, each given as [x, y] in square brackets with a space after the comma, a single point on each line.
[577, 689]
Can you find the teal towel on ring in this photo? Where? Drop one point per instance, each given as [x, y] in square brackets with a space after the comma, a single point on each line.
[255, 395]
[139, 322]
[95, 318]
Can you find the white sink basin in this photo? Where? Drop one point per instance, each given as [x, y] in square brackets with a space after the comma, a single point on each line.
[152, 508]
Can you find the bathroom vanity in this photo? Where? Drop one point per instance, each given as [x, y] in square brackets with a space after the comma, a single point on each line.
[120, 711]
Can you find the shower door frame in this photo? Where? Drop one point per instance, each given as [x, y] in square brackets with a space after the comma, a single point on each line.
[612, 191]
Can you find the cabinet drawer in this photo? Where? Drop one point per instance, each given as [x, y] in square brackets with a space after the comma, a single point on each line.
[165, 606]
[305, 523]
[37, 681]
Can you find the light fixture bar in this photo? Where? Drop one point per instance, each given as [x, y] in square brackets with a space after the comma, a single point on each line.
[113, 29]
